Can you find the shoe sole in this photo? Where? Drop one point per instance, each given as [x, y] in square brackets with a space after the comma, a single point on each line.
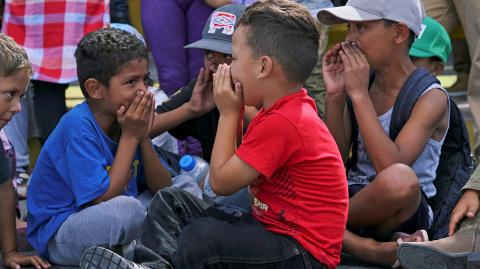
[102, 258]
[424, 257]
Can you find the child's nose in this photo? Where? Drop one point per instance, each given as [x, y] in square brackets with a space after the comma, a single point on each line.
[143, 86]
[351, 36]
[16, 107]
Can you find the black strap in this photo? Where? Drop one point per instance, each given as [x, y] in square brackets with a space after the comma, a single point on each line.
[411, 90]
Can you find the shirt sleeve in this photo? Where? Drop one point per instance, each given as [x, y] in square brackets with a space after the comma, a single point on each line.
[5, 166]
[84, 169]
[474, 182]
[269, 144]
[177, 99]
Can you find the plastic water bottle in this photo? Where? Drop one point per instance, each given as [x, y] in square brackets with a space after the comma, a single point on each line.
[195, 167]
[207, 189]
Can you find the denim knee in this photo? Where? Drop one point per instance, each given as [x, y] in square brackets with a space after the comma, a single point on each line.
[127, 215]
[206, 244]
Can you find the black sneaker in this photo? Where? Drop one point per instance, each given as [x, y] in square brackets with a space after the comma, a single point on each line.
[102, 258]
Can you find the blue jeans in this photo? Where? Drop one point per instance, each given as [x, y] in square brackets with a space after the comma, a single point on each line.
[115, 222]
[182, 231]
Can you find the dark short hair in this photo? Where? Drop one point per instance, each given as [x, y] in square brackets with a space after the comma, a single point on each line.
[101, 55]
[285, 31]
[13, 57]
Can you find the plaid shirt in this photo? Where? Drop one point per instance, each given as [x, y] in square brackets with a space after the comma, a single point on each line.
[50, 30]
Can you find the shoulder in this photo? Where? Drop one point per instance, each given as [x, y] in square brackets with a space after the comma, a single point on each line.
[434, 96]
[78, 122]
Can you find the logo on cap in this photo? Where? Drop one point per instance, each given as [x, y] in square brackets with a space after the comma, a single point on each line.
[222, 20]
[422, 30]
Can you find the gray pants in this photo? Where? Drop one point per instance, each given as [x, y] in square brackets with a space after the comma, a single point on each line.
[112, 223]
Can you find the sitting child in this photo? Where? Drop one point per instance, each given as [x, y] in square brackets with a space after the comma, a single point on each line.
[15, 72]
[390, 179]
[82, 191]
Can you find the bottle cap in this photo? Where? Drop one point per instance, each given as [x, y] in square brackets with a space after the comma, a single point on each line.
[187, 162]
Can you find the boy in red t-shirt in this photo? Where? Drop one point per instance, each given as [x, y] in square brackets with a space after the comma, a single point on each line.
[288, 157]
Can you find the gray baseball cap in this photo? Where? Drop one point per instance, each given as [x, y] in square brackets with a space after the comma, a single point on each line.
[217, 32]
[409, 12]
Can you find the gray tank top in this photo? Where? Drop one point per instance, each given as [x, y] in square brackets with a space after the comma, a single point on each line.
[425, 166]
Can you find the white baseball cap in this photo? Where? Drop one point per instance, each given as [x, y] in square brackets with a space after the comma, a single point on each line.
[409, 12]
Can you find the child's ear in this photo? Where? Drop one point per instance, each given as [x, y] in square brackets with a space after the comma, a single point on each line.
[265, 67]
[402, 33]
[438, 68]
[94, 88]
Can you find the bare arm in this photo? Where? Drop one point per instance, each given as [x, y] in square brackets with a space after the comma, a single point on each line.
[200, 103]
[8, 243]
[171, 119]
[228, 173]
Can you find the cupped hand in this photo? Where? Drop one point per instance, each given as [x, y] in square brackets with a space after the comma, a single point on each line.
[227, 99]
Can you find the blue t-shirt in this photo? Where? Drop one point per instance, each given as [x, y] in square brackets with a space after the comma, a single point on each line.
[71, 171]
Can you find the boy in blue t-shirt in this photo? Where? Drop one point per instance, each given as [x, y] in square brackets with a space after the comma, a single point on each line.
[15, 72]
[81, 191]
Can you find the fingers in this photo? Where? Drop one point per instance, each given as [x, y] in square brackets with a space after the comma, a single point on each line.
[331, 56]
[201, 76]
[220, 77]
[37, 262]
[136, 101]
[353, 54]
[147, 109]
[227, 78]
[204, 77]
[361, 57]
[44, 264]
[347, 55]
[454, 220]
[207, 75]
[12, 264]
[142, 107]
[239, 91]
[121, 112]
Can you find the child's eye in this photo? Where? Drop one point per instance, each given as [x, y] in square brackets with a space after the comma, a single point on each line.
[132, 82]
[9, 95]
[360, 26]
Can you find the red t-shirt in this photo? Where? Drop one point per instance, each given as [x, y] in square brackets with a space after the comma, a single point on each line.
[302, 188]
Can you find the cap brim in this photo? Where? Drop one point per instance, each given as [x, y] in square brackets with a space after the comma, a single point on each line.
[414, 52]
[337, 15]
[212, 44]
